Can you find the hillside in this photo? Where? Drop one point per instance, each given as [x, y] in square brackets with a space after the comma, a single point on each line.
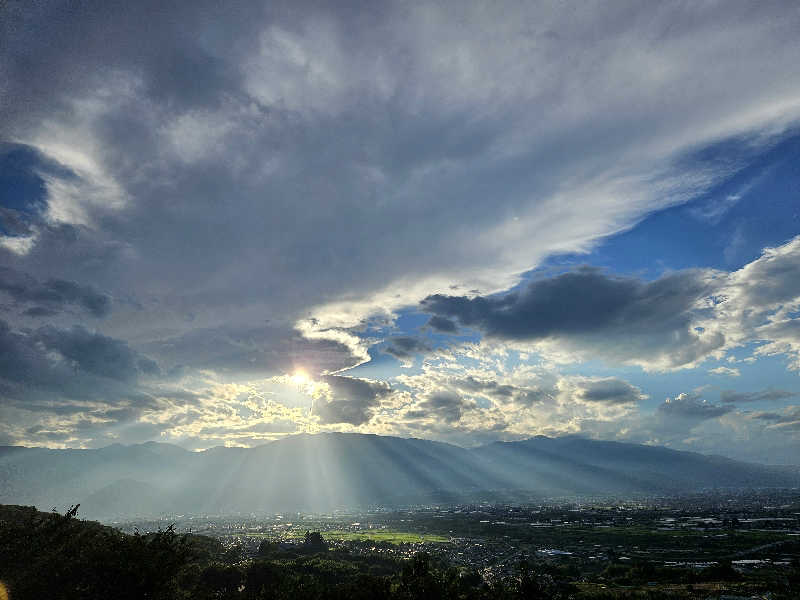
[326, 471]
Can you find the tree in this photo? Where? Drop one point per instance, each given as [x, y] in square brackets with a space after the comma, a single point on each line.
[220, 581]
[314, 541]
[267, 548]
[418, 580]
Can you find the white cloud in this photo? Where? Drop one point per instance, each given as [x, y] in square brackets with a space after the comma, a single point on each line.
[725, 371]
[758, 303]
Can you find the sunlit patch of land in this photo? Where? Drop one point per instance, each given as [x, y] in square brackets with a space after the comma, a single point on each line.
[391, 537]
[344, 535]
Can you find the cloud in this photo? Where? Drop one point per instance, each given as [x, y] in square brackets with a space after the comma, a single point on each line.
[770, 281]
[348, 399]
[50, 356]
[759, 303]
[53, 295]
[196, 190]
[252, 351]
[499, 392]
[782, 336]
[578, 302]
[622, 319]
[95, 353]
[788, 420]
[503, 399]
[63, 377]
[332, 165]
[524, 393]
[769, 395]
[608, 390]
[405, 348]
[445, 406]
[676, 321]
[441, 324]
[725, 371]
[474, 389]
[714, 210]
[691, 408]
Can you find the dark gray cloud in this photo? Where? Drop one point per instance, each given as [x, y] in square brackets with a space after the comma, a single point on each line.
[75, 364]
[767, 416]
[768, 395]
[631, 318]
[40, 311]
[582, 302]
[95, 353]
[610, 390]
[352, 400]
[692, 408]
[786, 420]
[107, 35]
[441, 324]
[788, 415]
[406, 347]
[53, 295]
[501, 392]
[446, 406]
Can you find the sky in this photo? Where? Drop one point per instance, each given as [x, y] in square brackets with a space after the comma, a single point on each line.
[226, 223]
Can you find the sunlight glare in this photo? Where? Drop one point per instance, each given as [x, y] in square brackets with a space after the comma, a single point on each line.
[300, 378]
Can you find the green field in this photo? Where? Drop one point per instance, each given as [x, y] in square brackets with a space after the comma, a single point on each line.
[381, 535]
[393, 537]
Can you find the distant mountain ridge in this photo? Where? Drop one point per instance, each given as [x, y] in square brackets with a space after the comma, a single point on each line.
[338, 470]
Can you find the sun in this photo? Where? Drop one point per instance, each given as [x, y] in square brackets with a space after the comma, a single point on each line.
[300, 377]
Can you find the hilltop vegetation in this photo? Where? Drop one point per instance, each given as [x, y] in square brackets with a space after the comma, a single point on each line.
[58, 556]
[55, 556]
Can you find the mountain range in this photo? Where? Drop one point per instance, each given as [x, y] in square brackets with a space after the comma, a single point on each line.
[345, 470]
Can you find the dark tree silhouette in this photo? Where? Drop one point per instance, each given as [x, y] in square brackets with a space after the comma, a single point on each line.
[314, 541]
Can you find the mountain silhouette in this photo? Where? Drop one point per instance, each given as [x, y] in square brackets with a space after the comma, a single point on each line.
[346, 470]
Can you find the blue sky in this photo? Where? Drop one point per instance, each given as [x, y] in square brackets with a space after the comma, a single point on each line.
[459, 223]
[725, 227]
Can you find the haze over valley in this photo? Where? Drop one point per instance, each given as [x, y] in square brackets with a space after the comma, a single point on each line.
[337, 471]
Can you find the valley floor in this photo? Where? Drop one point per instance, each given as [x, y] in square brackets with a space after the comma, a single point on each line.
[746, 544]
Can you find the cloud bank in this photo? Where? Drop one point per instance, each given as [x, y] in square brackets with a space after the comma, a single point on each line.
[196, 204]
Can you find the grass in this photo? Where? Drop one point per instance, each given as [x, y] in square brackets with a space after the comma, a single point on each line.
[393, 537]
[383, 535]
[634, 540]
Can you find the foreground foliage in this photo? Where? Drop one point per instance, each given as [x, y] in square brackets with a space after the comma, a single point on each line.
[57, 556]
